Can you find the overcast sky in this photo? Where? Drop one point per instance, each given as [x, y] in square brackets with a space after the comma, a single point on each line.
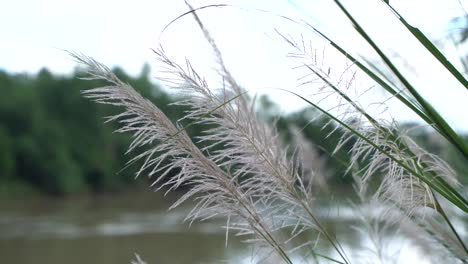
[34, 34]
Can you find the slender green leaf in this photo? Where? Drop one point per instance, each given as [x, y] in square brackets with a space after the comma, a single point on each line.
[384, 84]
[436, 119]
[430, 47]
[450, 194]
[449, 190]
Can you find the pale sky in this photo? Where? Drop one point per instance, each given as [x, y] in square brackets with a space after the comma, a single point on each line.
[34, 34]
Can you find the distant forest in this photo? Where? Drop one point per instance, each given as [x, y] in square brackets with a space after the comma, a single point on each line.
[54, 141]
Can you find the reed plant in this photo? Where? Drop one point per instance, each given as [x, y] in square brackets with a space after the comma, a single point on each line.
[265, 193]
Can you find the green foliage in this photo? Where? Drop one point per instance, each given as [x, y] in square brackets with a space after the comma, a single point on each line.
[53, 139]
[7, 161]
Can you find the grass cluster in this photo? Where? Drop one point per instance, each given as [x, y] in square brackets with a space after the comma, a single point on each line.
[265, 192]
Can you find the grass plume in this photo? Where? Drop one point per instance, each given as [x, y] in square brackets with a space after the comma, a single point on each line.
[265, 194]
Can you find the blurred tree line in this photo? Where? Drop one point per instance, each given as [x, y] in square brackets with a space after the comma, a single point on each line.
[54, 141]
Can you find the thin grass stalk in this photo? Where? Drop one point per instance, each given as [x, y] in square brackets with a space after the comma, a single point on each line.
[459, 202]
[432, 113]
[332, 240]
[414, 106]
[222, 113]
[392, 138]
[444, 185]
[372, 121]
[430, 230]
[280, 185]
[140, 114]
[386, 84]
[427, 43]
[449, 189]
[452, 228]
[258, 149]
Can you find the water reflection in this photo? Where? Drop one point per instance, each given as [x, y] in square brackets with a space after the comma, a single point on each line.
[111, 228]
[106, 229]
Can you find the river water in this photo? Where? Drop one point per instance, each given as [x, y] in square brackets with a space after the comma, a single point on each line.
[111, 228]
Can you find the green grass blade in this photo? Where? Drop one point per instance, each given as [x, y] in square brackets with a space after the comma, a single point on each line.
[436, 119]
[449, 189]
[430, 47]
[449, 193]
[383, 83]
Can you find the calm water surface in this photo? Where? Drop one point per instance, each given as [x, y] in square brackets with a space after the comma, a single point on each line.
[110, 228]
[107, 229]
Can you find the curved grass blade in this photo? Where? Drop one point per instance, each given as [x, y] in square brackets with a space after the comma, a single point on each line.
[383, 83]
[449, 193]
[436, 119]
[431, 175]
[430, 47]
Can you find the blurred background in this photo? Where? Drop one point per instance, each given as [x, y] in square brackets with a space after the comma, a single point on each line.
[65, 193]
